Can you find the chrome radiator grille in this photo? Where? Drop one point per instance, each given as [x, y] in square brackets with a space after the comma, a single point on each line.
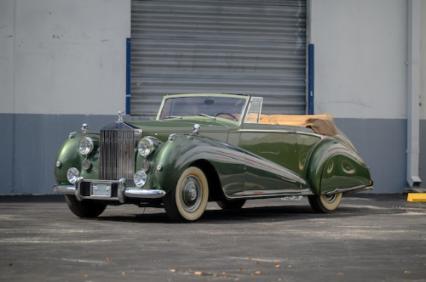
[117, 154]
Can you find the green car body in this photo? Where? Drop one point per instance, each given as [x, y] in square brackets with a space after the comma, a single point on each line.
[240, 160]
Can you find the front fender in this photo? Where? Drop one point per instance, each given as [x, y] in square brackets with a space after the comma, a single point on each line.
[179, 152]
[68, 156]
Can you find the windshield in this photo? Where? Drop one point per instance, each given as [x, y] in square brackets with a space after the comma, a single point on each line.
[230, 108]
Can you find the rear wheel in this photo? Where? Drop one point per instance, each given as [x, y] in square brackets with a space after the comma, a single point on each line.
[325, 203]
[188, 201]
[231, 204]
[84, 209]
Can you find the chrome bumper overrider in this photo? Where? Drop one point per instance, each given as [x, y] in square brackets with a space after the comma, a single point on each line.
[121, 194]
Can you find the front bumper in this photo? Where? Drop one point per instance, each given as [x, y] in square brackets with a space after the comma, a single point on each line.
[83, 190]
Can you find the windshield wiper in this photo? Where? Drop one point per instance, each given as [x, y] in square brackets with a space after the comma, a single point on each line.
[206, 115]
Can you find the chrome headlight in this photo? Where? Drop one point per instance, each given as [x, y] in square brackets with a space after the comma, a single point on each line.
[73, 175]
[140, 178]
[86, 146]
[146, 146]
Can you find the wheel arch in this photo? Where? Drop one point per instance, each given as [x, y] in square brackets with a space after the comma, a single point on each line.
[215, 186]
[184, 151]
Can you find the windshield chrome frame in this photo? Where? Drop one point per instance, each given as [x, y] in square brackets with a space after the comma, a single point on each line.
[248, 107]
[243, 111]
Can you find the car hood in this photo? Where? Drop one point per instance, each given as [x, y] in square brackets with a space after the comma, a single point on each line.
[163, 128]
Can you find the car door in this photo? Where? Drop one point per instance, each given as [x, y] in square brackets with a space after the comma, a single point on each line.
[276, 168]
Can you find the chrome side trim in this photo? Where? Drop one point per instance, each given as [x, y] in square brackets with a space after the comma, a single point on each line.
[259, 194]
[344, 190]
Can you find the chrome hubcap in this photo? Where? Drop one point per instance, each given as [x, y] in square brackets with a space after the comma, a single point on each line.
[191, 194]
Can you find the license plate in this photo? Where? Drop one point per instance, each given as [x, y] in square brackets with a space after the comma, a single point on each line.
[101, 190]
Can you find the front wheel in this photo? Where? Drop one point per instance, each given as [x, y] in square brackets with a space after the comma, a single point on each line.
[325, 203]
[84, 209]
[189, 199]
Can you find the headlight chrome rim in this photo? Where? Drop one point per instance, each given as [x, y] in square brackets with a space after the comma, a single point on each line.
[73, 174]
[140, 178]
[146, 146]
[85, 146]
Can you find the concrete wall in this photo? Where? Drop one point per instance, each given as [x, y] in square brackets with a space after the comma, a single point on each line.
[423, 98]
[61, 63]
[64, 57]
[6, 56]
[360, 77]
[423, 63]
[360, 57]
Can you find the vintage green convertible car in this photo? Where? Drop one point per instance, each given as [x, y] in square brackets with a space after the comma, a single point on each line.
[208, 147]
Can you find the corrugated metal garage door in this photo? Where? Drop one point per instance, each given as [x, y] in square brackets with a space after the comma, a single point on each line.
[219, 46]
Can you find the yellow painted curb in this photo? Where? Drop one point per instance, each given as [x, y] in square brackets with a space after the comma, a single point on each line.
[416, 197]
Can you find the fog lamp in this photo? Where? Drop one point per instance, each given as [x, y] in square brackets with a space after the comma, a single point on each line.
[73, 175]
[140, 178]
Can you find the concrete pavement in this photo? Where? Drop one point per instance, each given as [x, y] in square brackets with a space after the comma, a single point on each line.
[370, 238]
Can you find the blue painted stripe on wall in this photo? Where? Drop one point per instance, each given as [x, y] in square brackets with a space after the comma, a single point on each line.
[128, 76]
[311, 78]
[37, 138]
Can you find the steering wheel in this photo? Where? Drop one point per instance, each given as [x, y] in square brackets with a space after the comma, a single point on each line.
[228, 115]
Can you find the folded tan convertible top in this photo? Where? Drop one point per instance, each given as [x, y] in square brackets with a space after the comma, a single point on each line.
[321, 124]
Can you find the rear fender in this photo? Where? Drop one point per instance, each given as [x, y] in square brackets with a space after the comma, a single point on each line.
[335, 166]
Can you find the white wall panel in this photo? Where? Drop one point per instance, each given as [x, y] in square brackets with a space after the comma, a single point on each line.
[70, 56]
[423, 62]
[360, 57]
[6, 55]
